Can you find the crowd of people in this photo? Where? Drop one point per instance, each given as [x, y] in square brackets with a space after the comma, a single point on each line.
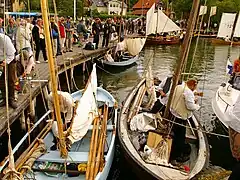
[23, 39]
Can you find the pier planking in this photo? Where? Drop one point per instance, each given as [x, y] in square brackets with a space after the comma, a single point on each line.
[71, 59]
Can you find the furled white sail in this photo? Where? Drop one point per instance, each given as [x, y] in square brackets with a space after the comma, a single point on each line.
[226, 25]
[165, 24]
[134, 45]
[151, 21]
[237, 28]
[86, 110]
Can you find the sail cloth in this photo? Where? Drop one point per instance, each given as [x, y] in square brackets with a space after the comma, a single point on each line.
[134, 45]
[226, 25]
[237, 28]
[213, 11]
[203, 10]
[151, 22]
[86, 110]
[165, 24]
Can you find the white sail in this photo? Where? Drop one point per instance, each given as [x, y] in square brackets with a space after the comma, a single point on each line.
[165, 24]
[151, 21]
[226, 25]
[86, 110]
[237, 28]
[134, 45]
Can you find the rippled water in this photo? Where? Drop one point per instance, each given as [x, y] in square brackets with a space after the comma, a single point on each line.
[208, 65]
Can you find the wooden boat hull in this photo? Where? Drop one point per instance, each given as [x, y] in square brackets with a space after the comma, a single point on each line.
[206, 35]
[162, 41]
[81, 156]
[125, 63]
[222, 42]
[150, 171]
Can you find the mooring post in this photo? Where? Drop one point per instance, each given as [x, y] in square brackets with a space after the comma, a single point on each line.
[71, 77]
[22, 121]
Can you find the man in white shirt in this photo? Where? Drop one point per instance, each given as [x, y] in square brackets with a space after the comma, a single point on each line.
[182, 106]
[67, 104]
[7, 55]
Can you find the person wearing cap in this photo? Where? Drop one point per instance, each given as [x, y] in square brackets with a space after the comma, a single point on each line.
[25, 63]
[182, 107]
[96, 29]
[39, 39]
[69, 34]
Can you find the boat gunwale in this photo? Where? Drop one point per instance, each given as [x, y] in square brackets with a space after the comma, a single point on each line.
[129, 100]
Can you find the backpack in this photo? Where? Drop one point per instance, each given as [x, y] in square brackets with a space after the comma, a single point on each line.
[54, 33]
[89, 46]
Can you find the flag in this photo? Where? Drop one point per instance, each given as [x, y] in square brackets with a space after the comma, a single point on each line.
[203, 10]
[229, 67]
[213, 10]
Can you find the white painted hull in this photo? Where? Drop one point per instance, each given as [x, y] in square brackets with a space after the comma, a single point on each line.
[121, 63]
[224, 98]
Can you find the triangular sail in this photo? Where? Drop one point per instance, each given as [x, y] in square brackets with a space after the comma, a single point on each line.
[86, 110]
[226, 25]
[237, 28]
[151, 21]
[134, 45]
[165, 24]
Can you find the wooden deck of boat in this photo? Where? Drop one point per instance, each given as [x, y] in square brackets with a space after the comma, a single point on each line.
[71, 59]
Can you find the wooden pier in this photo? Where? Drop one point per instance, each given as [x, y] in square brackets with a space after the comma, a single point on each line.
[64, 62]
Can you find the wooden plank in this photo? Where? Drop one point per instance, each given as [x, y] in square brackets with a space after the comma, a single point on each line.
[78, 56]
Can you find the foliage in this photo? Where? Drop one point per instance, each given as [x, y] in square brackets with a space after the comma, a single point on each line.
[182, 8]
[64, 7]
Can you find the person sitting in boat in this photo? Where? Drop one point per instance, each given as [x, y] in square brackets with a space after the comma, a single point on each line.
[182, 106]
[227, 39]
[163, 89]
[67, 105]
[236, 65]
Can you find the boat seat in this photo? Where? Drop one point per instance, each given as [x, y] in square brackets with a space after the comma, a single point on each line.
[54, 156]
[109, 127]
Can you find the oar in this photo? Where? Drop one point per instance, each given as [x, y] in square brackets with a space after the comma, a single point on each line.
[90, 154]
[102, 140]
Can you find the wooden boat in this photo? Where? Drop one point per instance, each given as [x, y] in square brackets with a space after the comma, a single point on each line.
[145, 170]
[229, 28]
[125, 53]
[223, 42]
[157, 25]
[159, 40]
[205, 35]
[51, 166]
[126, 60]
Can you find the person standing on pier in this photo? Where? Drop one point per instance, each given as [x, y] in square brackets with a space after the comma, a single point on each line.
[7, 54]
[96, 29]
[39, 39]
[107, 30]
[69, 34]
[67, 105]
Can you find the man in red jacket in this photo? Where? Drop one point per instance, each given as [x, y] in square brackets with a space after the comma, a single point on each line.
[62, 33]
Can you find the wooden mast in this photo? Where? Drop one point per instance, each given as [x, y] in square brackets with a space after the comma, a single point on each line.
[63, 151]
[120, 31]
[184, 52]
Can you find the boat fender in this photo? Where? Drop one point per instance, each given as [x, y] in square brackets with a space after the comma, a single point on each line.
[82, 168]
[146, 152]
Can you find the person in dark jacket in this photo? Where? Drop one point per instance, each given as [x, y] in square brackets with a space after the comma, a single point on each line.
[39, 39]
[107, 30]
[96, 29]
